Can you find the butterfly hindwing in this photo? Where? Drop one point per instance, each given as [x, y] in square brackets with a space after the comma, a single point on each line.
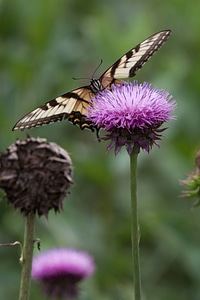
[73, 105]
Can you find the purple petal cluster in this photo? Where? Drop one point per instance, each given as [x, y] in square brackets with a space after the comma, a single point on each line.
[131, 114]
[60, 269]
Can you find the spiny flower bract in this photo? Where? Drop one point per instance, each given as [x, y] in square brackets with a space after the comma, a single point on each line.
[132, 114]
[192, 183]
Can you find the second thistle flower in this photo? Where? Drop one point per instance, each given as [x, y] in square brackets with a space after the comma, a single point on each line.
[60, 270]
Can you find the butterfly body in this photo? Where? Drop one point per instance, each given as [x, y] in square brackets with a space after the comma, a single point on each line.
[73, 105]
[96, 86]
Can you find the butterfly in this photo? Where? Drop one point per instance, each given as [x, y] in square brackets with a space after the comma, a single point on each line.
[73, 105]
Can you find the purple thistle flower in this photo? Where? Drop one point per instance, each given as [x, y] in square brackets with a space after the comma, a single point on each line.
[132, 114]
[59, 271]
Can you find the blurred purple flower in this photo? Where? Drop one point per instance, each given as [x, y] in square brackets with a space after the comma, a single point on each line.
[132, 114]
[60, 269]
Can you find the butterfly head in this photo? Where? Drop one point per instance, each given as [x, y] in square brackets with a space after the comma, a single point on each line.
[96, 85]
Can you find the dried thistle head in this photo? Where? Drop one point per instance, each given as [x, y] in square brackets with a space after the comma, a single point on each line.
[35, 175]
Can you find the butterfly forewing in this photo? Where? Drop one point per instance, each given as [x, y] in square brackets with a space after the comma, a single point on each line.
[134, 59]
[73, 105]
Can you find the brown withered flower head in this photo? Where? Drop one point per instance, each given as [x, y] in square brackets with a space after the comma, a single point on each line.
[35, 175]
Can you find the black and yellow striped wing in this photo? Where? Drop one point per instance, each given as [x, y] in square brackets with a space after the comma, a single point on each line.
[71, 105]
[134, 59]
[74, 104]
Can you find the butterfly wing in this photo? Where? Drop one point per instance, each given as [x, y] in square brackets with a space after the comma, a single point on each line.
[71, 105]
[134, 59]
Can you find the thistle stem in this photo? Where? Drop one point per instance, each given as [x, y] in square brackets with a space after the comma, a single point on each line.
[27, 256]
[135, 227]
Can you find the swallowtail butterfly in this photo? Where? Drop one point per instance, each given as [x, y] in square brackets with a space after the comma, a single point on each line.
[73, 105]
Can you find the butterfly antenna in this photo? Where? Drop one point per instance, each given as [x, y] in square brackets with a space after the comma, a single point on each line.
[80, 78]
[101, 61]
[83, 78]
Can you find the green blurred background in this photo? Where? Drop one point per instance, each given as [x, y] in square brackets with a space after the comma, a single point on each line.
[43, 44]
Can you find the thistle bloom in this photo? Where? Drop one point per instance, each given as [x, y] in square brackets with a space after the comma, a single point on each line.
[59, 271]
[132, 114]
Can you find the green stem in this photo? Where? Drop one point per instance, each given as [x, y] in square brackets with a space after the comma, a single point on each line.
[27, 257]
[135, 227]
